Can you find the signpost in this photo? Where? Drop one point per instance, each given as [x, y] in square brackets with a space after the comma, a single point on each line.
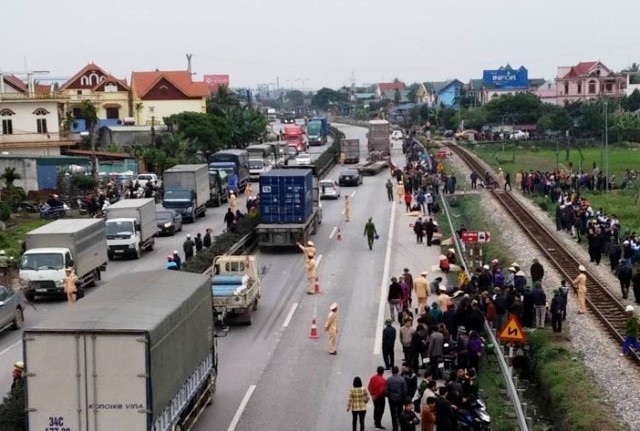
[512, 333]
[476, 240]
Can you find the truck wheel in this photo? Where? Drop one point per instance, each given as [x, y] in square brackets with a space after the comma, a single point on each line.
[248, 316]
[18, 319]
[110, 256]
[151, 244]
[255, 304]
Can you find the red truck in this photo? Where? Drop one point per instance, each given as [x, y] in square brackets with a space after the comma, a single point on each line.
[294, 134]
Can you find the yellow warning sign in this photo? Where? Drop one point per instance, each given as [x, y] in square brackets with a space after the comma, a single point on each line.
[512, 331]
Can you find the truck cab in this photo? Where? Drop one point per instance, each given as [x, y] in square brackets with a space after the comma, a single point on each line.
[123, 238]
[258, 167]
[182, 200]
[235, 287]
[218, 185]
[44, 268]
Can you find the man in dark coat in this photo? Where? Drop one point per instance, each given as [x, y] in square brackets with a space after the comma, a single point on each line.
[388, 344]
[206, 241]
[187, 246]
[537, 271]
[624, 275]
[527, 308]
[445, 415]
[198, 242]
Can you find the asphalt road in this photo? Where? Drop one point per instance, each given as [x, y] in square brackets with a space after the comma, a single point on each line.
[10, 340]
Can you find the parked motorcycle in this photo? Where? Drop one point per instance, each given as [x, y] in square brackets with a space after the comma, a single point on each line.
[52, 213]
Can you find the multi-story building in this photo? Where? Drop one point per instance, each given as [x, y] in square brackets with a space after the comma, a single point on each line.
[160, 94]
[29, 116]
[588, 80]
[387, 90]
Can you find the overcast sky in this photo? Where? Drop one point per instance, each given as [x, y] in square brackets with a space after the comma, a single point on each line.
[324, 41]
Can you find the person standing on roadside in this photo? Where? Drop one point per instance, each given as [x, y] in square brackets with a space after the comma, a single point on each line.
[394, 297]
[537, 271]
[357, 404]
[540, 305]
[389, 187]
[370, 232]
[421, 289]
[635, 281]
[396, 393]
[400, 191]
[406, 336]
[187, 246]
[556, 311]
[388, 344]
[624, 275]
[429, 228]
[428, 414]
[564, 293]
[580, 282]
[408, 419]
[70, 284]
[206, 241]
[507, 181]
[198, 242]
[331, 326]
[377, 390]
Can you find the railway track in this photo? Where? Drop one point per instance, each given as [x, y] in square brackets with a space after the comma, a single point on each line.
[599, 300]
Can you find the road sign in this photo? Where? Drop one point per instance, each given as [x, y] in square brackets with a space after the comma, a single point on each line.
[512, 331]
[479, 237]
[442, 154]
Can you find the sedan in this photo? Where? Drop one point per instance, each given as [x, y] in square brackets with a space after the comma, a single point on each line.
[169, 222]
[11, 307]
[329, 189]
[302, 159]
[350, 177]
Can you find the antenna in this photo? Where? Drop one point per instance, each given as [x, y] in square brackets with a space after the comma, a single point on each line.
[189, 63]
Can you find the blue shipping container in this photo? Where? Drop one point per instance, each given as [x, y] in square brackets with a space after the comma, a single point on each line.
[286, 196]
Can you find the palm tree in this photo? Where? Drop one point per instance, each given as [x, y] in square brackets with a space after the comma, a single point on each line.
[10, 176]
[138, 108]
[179, 147]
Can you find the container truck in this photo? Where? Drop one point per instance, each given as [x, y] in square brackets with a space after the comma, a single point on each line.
[290, 209]
[351, 150]
[317, 131]
[236, 164]
[77, 243]
[131, 227]
[294, 135]
[139, 354]
[378, 137]
[186, 190]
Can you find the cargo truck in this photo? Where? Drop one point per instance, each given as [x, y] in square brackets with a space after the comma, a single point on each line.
[217, 188]
[131, 227]
[236, 164]
[77, 243]
[290, 209]
[139, 354]
[235, 286]
[378, 138]
[294, 135]
[351, 150]
[186, 190]
[317, 131]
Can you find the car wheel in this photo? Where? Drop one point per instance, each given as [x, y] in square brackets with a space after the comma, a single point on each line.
[18, 319]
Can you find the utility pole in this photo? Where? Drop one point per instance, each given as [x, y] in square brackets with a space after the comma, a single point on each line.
[606, 143]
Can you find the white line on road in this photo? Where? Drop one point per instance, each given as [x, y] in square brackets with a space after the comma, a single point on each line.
[243, 405]
[290, 315]
[318, 261]
[353, 193]
[17, 343]
[377, 346]
[333, 232]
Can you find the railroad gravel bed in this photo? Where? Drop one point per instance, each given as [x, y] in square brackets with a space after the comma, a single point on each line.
[618, 377]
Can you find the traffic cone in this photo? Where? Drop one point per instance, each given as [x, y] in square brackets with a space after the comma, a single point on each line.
[314, 328]
[339, 235]
[317, 286]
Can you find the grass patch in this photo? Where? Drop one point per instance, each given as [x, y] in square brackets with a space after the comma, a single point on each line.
[11, 239]
[573, 402]
[491, 382]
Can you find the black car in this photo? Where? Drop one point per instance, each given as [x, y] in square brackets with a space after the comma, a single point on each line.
[350, 177]
[169, 222]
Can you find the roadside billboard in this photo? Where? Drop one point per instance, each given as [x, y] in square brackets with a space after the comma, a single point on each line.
[506, 78]
[215, 81]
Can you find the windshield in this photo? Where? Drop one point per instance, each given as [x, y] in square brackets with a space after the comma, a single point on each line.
[119, 228]
[163, 216]
[313, 128]
[145, 177]
[177, 195]
[349, 172]
[256, 164]
[42, 261]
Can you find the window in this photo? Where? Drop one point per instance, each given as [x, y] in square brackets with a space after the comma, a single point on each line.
[579, 91]
[79, 92]
[112, 113]
[592, 87]
[42, 125]
[7, 123]
[566, 88]
[609, 87]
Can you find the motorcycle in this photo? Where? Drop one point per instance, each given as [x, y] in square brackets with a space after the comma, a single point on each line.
[52, 213]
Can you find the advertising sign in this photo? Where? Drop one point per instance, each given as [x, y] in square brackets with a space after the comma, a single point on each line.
[506, 78]
[215, 81]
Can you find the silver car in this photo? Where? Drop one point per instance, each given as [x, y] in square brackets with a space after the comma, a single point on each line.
[11, 307]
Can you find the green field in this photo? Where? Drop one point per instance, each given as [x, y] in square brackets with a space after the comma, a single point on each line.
[527, 157]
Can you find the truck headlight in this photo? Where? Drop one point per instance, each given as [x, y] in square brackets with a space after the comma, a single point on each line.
[167, 224]
[132, 246]
[189, 209]
[59, 283]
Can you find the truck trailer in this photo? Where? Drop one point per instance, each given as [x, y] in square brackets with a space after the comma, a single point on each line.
[290, 209]
[378, 137]
[351, 150]
[186, 190]
[131, 227]
[77, 243]
[138, 354]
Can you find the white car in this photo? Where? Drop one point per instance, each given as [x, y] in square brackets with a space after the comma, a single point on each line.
[397, 134]
[519, 135]
[302, 159]
[143, 179]
[329, 189]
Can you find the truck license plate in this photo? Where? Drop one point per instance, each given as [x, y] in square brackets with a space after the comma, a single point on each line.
[41, 290]
[119, 251]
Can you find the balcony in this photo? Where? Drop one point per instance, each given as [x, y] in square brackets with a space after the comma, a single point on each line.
[80, 125]
[35, 140]
[26, 97]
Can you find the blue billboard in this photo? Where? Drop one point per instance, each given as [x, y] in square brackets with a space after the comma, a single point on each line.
[506, 78]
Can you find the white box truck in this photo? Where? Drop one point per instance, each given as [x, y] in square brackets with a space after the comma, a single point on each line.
[138, 354]
[77, 243]
[131, 227]
[186, 190]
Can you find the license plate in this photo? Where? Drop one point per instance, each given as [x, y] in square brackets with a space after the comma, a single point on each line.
[41, 290]
[118, 251]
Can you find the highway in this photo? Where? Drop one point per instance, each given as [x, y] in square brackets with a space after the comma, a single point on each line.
[10, 340]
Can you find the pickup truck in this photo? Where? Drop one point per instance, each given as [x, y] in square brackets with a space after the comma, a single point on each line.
[235, 286]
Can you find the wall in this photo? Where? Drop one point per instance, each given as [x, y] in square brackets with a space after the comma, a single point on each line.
[26, 168]
[24, 121]
[165, 108]
[448, 95]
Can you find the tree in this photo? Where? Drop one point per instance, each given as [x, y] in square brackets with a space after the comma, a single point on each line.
[325, 97]
[631, 103]
[180, 147]
[412, 92]
[295, 97]
[397, 96]
[628, 126]
[209, 131]
[244, 125]
[222, 98]
[90, 115]
[474, 118]
[10, 176]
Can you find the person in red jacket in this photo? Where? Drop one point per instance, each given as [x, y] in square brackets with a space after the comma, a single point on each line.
[378, 389]
[407, 200]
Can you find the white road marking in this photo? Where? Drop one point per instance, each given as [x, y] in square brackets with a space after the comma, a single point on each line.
[17, 343]
[333, 232]
[318, 261]
[377, 346]
[243, 405]
[290, 315]
[353, 193]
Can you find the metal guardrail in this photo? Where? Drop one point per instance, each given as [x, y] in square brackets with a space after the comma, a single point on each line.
[512, 391]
